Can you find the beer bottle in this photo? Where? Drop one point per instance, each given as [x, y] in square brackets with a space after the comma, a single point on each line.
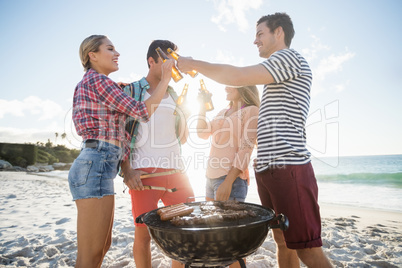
[182, 98]
[176, 75]
[206, 96]
[176, 56]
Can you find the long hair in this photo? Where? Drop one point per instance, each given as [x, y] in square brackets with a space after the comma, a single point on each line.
[249, 95]
[90, 44]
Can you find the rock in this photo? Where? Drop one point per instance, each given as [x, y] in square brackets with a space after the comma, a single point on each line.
[45, 168]
[32, 169]
[5, 165]
[62, 166]
[17, 168]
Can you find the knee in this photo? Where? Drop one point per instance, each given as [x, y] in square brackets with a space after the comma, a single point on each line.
[142, 237]
[313, 257]
[107, 244]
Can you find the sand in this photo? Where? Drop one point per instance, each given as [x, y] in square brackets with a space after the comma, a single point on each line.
[38, 222]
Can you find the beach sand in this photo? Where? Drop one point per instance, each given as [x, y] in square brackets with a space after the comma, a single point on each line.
[38, 223]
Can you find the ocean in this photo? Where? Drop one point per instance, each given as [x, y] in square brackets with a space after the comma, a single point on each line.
[362, 181]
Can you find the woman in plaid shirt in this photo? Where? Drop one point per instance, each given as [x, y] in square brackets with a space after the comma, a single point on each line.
[100, 109]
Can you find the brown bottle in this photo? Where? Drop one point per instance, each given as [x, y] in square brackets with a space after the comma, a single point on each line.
[176, 75]
[182, 98]
[207, 96]
[176, 56]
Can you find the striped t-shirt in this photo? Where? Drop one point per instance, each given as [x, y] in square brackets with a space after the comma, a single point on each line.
[283, 113]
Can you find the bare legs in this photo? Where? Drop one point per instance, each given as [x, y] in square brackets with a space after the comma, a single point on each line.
[142, 249]
[94, 230]
[311, 257]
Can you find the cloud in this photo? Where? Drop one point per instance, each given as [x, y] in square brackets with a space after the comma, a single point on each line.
[32, 105]
[324, 63]
[227, 57]
[332, 64]
[233, 11]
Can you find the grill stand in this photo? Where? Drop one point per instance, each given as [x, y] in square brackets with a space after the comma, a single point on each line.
[241, 262]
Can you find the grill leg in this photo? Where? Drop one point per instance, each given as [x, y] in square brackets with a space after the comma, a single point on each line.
[242, 264]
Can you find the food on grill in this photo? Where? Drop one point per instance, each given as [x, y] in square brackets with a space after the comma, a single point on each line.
[165, 209]
[175, 211]
[212, 212]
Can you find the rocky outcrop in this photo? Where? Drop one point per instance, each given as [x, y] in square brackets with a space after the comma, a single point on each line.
[6, 166]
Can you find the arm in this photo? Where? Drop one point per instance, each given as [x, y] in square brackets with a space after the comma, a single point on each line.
[242, 158]
[113, 97]
[228, 74]
[131, 176]
[248, 138]
[203, 126]
[153, 102]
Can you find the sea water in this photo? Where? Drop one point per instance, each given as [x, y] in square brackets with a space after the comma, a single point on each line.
[363, 181]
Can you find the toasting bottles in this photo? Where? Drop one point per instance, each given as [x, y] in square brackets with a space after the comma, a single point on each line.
[182, 98]
[176, 75]
[176, 56]
[206, 96]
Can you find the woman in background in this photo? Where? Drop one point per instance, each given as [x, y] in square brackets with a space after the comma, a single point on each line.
[234, 133]
[100, 109]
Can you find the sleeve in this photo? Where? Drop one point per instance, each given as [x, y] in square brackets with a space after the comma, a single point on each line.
[248, 138]
[114, 98]
[283, 66]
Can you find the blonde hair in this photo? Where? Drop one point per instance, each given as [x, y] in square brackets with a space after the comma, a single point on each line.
[249, 95]
[90, 44]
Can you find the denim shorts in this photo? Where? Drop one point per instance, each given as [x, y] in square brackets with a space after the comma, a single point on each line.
[239, 188]
[93, 171]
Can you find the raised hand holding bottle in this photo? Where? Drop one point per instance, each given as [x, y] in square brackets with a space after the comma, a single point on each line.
[176, 75]
[176, 56]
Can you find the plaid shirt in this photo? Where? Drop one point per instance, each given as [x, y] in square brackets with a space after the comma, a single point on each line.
[101, 108]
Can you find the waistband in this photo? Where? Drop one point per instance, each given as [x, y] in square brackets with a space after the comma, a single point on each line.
[92, 143]
[157, 174]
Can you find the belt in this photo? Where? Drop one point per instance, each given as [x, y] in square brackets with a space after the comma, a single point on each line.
[91, 143]
[165, 173]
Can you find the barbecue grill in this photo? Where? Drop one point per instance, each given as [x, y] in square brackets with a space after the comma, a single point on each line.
[215, 244]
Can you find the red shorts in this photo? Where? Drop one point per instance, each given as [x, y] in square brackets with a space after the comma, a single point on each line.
[293, 191]
[147, 200]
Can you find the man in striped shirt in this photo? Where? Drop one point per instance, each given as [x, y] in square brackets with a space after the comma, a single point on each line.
[285, 177]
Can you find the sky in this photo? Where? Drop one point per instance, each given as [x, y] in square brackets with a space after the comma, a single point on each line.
[352, 47]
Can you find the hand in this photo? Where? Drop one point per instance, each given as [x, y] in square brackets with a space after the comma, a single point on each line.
[200, 98]
[224, 191]
[167, 70]
[132, 178]
[255, 163]
[183, 63]
[122, 84]
[204, 97]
